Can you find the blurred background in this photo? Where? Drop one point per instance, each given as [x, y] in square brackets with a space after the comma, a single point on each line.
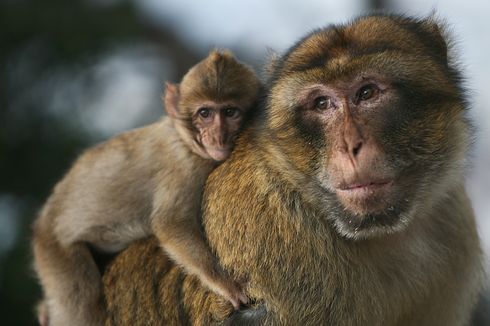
[73, 73]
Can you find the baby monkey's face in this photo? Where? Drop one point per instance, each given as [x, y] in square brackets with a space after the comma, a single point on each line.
[218, 125]
[215, 97]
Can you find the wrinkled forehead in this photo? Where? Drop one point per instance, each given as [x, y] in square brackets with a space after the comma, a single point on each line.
[367, 36]
[404, 49]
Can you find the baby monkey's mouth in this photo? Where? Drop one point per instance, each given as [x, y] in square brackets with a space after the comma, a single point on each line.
[219, 153]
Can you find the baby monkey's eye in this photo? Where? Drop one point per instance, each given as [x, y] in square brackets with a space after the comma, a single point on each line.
[322, 103]
[366, 92]
[204, 112]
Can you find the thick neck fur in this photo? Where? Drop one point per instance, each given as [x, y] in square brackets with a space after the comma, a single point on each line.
[335, 279]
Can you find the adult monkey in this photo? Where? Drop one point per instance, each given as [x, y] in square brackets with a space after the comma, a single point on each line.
[344, 203]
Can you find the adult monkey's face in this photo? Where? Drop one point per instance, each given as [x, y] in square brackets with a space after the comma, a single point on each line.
[374, 119]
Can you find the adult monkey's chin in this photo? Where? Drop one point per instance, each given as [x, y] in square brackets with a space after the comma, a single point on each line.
[367, 197]
[371, 209]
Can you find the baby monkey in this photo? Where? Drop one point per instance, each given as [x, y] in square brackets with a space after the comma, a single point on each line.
[142, 182]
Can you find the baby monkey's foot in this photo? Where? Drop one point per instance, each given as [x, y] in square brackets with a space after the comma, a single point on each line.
[231, 291]
[42, 314]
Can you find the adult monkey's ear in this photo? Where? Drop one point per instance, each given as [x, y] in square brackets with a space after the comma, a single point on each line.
[432, 32]
[171, 99]
[273, 61]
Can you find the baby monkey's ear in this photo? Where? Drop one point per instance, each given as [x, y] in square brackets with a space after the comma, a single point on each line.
[171, 99]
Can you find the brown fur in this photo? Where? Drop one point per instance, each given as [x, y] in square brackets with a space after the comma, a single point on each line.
[142, 182]
[273, 215]
[164, 284]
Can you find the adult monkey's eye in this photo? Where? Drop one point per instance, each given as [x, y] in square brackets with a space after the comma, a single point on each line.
[322, 103]
[366, 92]
[232, 112]
[204, 112]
